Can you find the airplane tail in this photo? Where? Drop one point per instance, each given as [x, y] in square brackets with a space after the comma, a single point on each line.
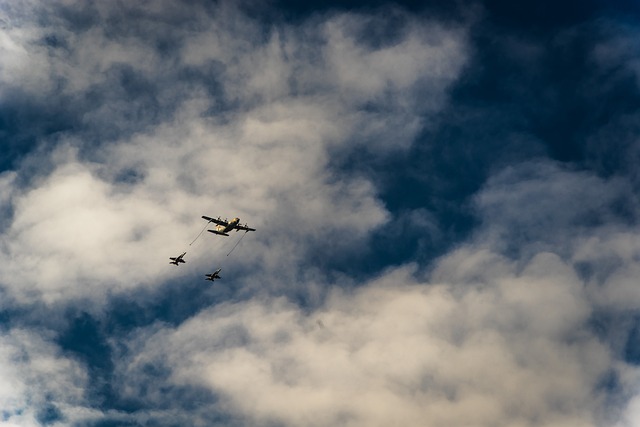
[217, 232]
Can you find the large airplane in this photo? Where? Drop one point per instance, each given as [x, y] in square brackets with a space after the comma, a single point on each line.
[224, 226]
[213, 276]
[177, 260]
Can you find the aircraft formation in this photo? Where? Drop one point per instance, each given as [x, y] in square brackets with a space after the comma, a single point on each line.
[222, 228]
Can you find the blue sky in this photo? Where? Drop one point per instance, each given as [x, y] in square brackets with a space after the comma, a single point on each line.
[445, 198]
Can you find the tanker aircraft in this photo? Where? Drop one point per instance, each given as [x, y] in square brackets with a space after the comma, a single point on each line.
[223, 226]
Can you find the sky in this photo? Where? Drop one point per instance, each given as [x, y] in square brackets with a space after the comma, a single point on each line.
[445, 199]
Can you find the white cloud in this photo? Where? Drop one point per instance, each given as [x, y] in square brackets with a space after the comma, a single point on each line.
[34, 375]
[498, 334]
[490, 337]
[585, 219]
[426, 52]
[536, 205]
[613, 259]
[632, 413]
[106, 216]
[509, 351]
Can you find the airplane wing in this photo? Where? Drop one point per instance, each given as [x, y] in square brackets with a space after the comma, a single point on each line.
[244, 228]
[216, 220]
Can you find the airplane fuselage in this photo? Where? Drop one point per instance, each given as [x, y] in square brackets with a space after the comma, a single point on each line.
[230, 226]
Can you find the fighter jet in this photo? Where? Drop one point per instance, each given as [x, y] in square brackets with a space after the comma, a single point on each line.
[177, 260]
[213, 276]
[223, 226]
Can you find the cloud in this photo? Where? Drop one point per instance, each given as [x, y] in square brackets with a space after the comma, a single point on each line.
[39, 384]
[127, 187]
[169, 112]
[513, 350]
[632, 414]
[543, 202]
[617, 53]
[583, 218]
[489, 336]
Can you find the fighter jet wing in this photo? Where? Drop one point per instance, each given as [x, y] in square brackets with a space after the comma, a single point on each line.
[216, 220]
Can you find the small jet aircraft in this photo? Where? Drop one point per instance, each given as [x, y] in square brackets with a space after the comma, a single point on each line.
[213, 276]
[177, 260]
[223, 226]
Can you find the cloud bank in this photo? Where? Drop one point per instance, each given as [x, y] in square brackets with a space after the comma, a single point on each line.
[486, 339]
[127, 122]
[220, 123]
